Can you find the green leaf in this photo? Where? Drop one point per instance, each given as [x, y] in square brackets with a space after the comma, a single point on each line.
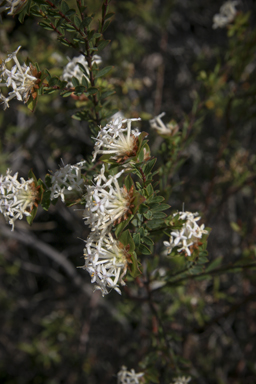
[46, 26]
[136, 239]
[83, 69]
[154, 224]
[103, 71]
[77, 21]
[150, 190]
[126, 239]
[86, 22]
[31, 104]
[120, 227]
[92, 91]
[159, 215]
[135, 267]
[64, 7]
[148, 167]
[144, 250]
[128, 182]
[159, 207]
[31, 175]
[106, 94]
[30, 218]
[214, 264]
[75, 81]
[148, 241]
[70, 12]
[148, 215]
[102, 44]
[106, 25]
[108, 15]
[155, 199]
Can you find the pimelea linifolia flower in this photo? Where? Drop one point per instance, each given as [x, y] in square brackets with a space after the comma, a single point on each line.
[17, 199]
[188, 236]
[162, 129]
[129, 377]
[117, 139]
[22, 80]
[106, 260]
[226, 16]
[106, 202]
[72, 69]
[67, 182]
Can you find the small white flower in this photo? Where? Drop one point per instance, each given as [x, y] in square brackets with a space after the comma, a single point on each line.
[226, 15]
[161, 128]
[188, 235]
[12, 5]
[19, 78]
[118, 139]
[181, 380]
[106, 202]
[128, 377]
[106, 261]
[72, 69]
[67, 182]
[16, 198]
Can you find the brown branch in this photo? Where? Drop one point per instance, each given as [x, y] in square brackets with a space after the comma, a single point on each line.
[65, 18]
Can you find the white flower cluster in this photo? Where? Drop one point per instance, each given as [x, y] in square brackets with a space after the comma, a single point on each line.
[72, 69]
[67, 182]
[12, 5]
[162, 129]
[226, 16]
[16, 198]
[181, 380]
[106, 261]
[118, 139]
[19, 78]
[107, 204]
[126, 377]
[188, 235]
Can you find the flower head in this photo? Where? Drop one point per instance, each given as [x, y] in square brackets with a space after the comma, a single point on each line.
[162, 129]
[72, 69]
[187, 237]
[117, 139]
[128, 377]
[226, 16]
[106, 260]
[106, 202]
[22, 79]
[67, 182]
[17, 198]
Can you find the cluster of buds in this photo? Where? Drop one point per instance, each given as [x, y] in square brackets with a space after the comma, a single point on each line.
[129, 377]
[166, 130]
[72, 69]
[226, 16]
[108, 204]
[17, 198]
[187, 237]
[13, 6]
[67, 182]
[22, 79]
